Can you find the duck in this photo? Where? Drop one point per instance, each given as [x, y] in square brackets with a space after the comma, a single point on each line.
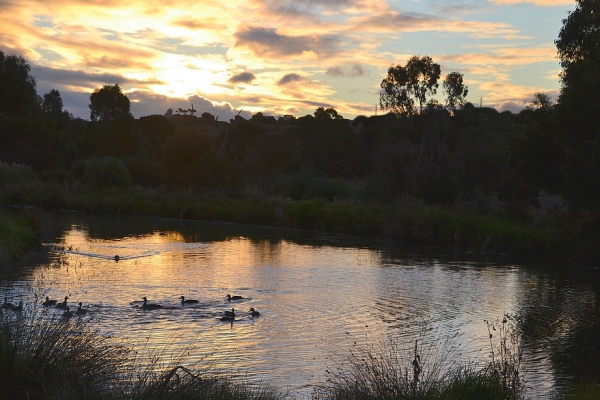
[229, 313]
[63, 305]
[49, 302]
[228, 318]
[150, 306]
[184, 301]
[253, 312]
[80, 311]
[68, 313]
[116, 258]
[8, 305]
[230, 297]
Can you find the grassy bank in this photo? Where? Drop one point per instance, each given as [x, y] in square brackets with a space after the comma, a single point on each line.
[19, 236]
[506, 229]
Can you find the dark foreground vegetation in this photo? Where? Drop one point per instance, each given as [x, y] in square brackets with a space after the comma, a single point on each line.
[431, 173]
[44, 355]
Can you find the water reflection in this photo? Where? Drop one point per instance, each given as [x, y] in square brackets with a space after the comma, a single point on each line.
[314, 292]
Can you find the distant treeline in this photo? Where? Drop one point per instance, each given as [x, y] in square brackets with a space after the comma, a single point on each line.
[437, 153]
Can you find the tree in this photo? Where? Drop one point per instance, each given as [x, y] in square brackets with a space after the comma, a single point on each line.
[329, 113]
[412, 83]
[578, 46]
[52, 104]
[18, 94]
[109, 104]
[455, 90]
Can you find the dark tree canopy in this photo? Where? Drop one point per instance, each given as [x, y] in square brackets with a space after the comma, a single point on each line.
[109, 104]
[17, 86]
[455, 90]
[578, 46]
[412, 83]
[329, 113]
[52, 103]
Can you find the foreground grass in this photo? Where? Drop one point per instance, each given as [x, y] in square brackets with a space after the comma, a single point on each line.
[46, 356]
[428, 371]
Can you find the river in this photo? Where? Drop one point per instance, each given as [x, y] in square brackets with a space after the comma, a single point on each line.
[318, 295]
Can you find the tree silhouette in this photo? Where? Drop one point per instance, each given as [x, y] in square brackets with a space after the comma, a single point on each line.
[52, 104]
[17, 87]
[109, 104]
[455, 90]
[412, 83]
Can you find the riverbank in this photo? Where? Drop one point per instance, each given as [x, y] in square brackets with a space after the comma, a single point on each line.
[19, 238]
[504, 228]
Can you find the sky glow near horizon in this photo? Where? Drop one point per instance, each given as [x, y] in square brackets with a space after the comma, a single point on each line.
[283, 57]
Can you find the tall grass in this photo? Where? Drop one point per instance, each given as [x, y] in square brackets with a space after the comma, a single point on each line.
[428, 370]
[46, 356]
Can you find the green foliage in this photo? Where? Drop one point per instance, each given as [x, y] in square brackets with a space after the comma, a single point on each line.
[144, 171]
[156, 129]
[106, 172]
[19, 234]
[180, 151]
[208, 171]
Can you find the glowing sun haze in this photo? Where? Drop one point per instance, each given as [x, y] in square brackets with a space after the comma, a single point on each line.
[280, 57]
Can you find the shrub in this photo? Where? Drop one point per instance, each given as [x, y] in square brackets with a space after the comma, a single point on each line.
[104, 172]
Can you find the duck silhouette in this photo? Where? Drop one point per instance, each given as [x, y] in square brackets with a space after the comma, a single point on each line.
[184, 301]
[116, 258]
[254, 313]
[229, 313]
[80, 311]
[150, 306]
[68, 313]
[230, 297]
[49, 302]
[63, 305]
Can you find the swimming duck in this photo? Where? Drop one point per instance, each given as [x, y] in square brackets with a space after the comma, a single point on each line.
[151, 306]
[230, 297]
[184, 301]
[116, 258]
[254, 313]
[63, 305]
[229, 313]
[80, 311]
[68, 313]
[49, 302]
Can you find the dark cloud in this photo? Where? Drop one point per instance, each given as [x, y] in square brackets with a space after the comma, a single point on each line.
[266, 42]
[82, 78]
[354, 71]
[307, 7]
[289, 78]
[244, 77]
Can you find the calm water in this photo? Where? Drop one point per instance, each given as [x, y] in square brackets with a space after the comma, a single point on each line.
[317, 295]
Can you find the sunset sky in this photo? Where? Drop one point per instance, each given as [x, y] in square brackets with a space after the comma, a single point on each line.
[280, 57]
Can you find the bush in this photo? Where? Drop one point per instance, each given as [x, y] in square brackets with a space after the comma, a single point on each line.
[107, 171]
